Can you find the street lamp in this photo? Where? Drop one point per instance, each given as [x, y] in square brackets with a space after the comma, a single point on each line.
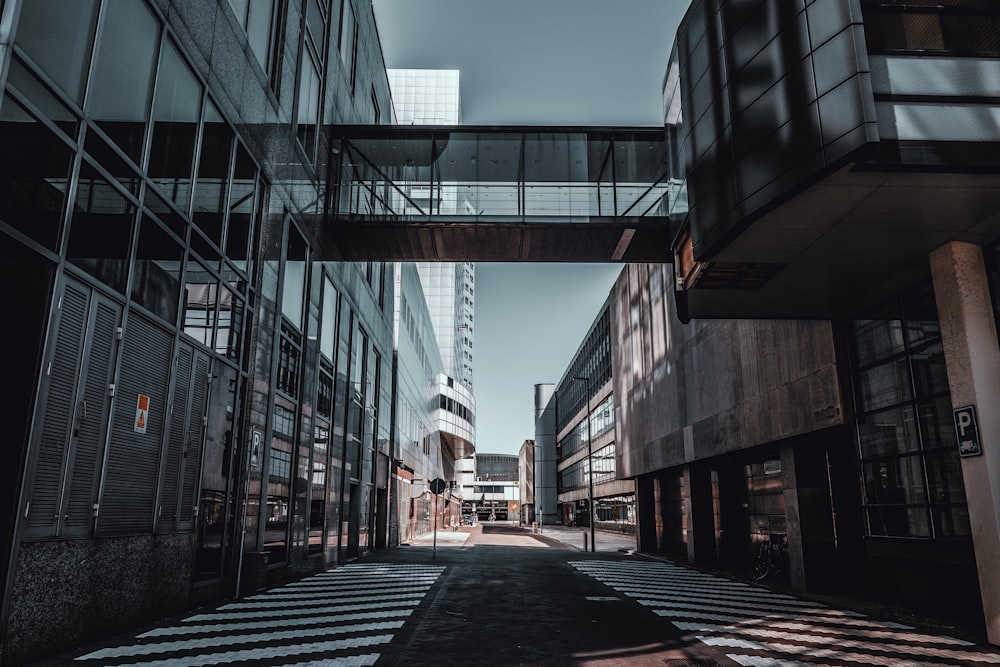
[590, 467]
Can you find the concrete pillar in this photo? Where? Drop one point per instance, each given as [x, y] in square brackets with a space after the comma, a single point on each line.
[793, 519]
[545, 455]
[972, 357]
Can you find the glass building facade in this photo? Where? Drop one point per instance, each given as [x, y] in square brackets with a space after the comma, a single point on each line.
[202, 402]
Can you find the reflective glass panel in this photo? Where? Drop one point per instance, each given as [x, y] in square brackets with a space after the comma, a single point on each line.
[242, 200]
[308, 114]
[175, 125]
[201, 292]
[952, 521]
[937, 425]
[295, 279]
[898, 521]
[213, 173]
[278, 493]
[34, 175]
[42, 97]
[877, 339]
[260, 25]
[123, 73]
[930, 376]
[166, 213]
[328, 324]
[112, 162]
[895, 480]
[885, 384]
[156, 283]
[888, 432]
[230, 324]
[58, 36]
[101, 229]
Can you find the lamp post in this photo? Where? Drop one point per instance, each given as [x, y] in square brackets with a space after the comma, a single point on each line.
[590, 467]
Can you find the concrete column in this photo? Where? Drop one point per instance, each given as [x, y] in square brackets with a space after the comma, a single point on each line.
[793, 519]
[545, 455]
[969, 336]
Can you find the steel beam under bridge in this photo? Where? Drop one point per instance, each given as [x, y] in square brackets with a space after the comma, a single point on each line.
[466, 193]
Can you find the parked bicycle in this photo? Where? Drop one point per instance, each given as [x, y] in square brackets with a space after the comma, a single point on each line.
[772, 559]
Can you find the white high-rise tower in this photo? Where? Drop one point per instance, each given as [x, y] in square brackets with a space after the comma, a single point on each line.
[431, 97]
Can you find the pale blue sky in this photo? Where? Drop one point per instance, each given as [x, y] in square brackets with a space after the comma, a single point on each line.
[535, 62]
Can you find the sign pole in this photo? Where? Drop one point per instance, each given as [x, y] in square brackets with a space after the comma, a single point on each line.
[434, 548]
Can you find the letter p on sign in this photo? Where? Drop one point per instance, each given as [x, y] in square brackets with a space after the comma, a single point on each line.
[967, 431]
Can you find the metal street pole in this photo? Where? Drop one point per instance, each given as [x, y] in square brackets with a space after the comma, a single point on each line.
[435, 547]
[590, 468]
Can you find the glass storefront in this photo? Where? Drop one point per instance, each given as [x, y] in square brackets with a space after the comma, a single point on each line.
[909, 465]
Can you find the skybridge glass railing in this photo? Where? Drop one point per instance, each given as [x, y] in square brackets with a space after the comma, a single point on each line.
[502, 175]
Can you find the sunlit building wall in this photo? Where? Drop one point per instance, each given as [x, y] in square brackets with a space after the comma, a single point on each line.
[589, 492]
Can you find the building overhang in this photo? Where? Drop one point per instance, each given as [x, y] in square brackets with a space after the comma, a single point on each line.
[841, 243]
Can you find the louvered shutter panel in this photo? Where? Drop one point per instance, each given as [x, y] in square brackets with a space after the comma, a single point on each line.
[95, 401]
[128, 501]
[57, 413]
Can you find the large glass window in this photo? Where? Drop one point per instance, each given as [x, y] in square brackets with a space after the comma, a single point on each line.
[176, 109]
[908, 455]
[201, 296]
[243, 198]
[58, 36]
[32, 186]
[158, 261]
[308, 106]
[293, 290]
[328, 323]
[289, 361]
[123, 73]
[349, 41]
[258, 18]
[213, 175]
[101, 229]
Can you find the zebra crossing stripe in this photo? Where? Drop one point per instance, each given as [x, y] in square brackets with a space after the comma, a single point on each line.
[892, 645]
[298, 611]
[347, 661]
[327, 619]
[328, 583]
[270, 602]
[764, 661]
[271, 652]
[258, 638]
[335, 595]
[828, 632]
[693, 611]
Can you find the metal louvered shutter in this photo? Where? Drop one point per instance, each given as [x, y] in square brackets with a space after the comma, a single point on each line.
[193, 444]
[97, 374]
[128, 498]
[56, 415]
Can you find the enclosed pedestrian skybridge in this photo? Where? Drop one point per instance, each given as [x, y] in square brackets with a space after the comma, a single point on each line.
[501, 194]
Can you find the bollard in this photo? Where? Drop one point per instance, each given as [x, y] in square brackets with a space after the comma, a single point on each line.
[585, 542]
